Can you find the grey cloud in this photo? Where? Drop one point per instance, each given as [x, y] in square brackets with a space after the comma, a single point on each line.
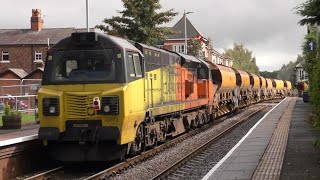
[268, 28]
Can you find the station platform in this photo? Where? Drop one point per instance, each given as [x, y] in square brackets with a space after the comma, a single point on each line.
[13, 136]
[265, 151]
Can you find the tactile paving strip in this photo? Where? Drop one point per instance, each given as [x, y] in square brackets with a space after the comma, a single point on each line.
[270, 164]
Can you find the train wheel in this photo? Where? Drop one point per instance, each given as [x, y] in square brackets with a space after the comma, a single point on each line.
[137, 144]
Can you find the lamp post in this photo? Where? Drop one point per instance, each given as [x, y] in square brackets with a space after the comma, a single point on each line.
[185, 31]
[87, 15]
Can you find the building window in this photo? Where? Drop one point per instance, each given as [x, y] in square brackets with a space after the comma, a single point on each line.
[5, 56]
[178, 48]
[38, 56]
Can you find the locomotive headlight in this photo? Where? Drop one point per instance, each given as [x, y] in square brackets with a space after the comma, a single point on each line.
[106, 109]
[109, 105]
[52, 110]
[50, 106]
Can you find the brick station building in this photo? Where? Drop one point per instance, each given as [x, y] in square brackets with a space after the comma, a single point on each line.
[26, 48]
[176, 42]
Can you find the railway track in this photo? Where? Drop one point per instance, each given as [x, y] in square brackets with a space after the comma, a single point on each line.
[59, 171]
[118, 168]
[204, 147]
[131, 162]
[45, 175]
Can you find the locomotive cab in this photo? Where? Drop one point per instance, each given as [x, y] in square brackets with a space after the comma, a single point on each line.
[86, 96]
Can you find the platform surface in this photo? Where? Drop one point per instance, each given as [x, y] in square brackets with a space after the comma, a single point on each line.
[302, 159]
[242, 161]
[13, 136]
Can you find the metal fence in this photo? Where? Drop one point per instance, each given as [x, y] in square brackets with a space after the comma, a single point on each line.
[21, 95]
[26, 103]
[17, 87]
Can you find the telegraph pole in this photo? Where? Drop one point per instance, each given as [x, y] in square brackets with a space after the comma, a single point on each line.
[185, 31]
[87, 15]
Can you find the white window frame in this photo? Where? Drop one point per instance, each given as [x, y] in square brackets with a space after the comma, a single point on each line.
[3, 54]
[180, 48]
[38, 53]
[135, 65]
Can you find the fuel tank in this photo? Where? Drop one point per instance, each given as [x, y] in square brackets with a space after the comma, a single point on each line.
[279, 84]
[288, 85]
[269, 83]
[243, 79]
[263, 82]
[224, 77]
[254, 81]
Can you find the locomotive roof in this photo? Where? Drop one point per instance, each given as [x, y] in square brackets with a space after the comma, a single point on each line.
[204, 62]
[121, 42]
[152, 48]
[189, 58]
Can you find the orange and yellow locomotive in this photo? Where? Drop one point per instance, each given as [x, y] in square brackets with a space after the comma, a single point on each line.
[103, 98]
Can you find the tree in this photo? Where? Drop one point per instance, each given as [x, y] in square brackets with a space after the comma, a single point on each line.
[311, 16]
[310, 12]
[194, 47]
[242, 58]
[286, 72]
[140, 21]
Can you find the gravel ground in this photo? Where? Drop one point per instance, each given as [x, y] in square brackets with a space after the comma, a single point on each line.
[156, 164]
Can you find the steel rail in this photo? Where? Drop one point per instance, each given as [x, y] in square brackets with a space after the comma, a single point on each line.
[147, 154]
[192, 154]
[44, 175]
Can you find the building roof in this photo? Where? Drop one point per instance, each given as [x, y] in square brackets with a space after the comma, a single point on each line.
[179, 29]
[300, 65]
[39, 69]
[18, 72]
[27, 36]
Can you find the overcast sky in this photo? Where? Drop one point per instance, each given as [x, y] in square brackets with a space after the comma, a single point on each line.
[267, 27]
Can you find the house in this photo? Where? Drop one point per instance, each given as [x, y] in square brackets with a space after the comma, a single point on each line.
[10, 80]
[176, 42]
[26, 49]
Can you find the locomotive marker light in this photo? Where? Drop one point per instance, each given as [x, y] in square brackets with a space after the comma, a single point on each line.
[96, 103]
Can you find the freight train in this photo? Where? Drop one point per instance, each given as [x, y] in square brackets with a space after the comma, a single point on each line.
[105, 98]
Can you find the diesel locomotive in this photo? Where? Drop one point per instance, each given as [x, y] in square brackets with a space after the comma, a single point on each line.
[105, 98]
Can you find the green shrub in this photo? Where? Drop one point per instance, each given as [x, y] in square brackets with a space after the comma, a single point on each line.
[8, 111]
[316, 143]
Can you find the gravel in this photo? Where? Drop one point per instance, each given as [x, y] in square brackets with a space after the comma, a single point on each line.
[158, 163]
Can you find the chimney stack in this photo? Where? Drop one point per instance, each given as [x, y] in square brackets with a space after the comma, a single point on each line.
[36, 20]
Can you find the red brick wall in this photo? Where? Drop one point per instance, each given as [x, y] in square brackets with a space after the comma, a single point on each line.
[22, 56]
[37, 75]
[168, 47]
[9, 90]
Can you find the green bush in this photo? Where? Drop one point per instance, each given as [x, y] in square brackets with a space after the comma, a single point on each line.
[8, 111]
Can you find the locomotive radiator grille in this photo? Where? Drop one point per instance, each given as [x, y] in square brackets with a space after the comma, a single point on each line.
[77, 106]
